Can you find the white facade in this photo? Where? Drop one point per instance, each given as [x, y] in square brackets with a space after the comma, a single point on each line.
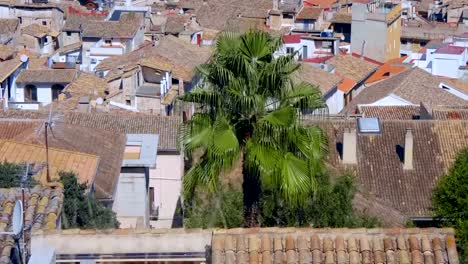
[335, 101]
[44, 92]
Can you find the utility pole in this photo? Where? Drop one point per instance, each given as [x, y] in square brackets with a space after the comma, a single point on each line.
[47, 151]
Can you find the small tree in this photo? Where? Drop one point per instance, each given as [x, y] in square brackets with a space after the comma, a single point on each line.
[450, 201]
[223, 209]
[82, 210]
[10, 174]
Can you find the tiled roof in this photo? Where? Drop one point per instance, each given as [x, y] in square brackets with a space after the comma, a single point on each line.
[397, 112]
[342, 17]
[293, 38]
[307, 245]
[379, 170]
[126, 27]
[35, 30]
[128, 61]
[346, 85]
[86, 84]
[320, 3]
[8, 28]
[449, 113]
[46, 76]
[8, 67]
[6, 52]
[352, 67]
[68, 48]
[84, 165]
[452, 50]
[324, 80]
[310, 13]
[42, 207]
[414, 85]
[166, 127]
[38, 63]
[74, 21]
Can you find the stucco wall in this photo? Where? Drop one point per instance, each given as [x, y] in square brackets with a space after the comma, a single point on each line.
[52, 16]
[335, 101]
[149, 105]
[166, 179]
[374, 33]
[393, 43]
[44, 93]
[73, 38]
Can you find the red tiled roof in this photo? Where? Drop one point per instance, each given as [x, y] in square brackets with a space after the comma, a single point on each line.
[387, 70]
[308, 12]
[454, 50]
[295, 38]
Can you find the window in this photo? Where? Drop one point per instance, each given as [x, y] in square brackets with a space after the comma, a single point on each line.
[56, 90]
[44, 23]
[68, 33]
[108, 42]
[93, 61]
[30, 93]
[20, 20]
[121, 85]
[288, 16]
[44, 40]
[289, 50]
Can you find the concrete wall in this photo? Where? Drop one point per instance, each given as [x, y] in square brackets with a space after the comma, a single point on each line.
[166, 179]
[131, 199]
[391, 100]
[73, 38]
[87, 44]
[149, 105]
[374, 33]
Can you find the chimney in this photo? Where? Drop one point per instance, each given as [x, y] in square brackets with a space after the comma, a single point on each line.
[349, 146]
[275, 5]
[408, 158]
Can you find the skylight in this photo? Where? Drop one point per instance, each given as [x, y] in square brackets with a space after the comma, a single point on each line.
[368, 125]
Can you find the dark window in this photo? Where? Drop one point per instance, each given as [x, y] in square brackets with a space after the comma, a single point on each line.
[108, 41]
[56, 90]
[30, 93]
[20, 20]
[289, 50]
[121, 85]
[404, 42]
[386, 74]
[44, 39]
[288, 16]
[44, 23]
[68, 33]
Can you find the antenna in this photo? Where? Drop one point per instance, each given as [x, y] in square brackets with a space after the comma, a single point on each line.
[17, 218]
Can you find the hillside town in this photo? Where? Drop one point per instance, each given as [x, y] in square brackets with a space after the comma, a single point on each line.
[223, 132]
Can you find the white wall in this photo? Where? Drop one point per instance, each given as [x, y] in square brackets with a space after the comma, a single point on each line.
[335, 102]
[391, 100]
[166, 180]
[44, 92]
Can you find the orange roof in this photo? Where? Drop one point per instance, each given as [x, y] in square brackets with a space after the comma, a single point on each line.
[84, 165]
[346, 85]
[387, 70]
[320, 3]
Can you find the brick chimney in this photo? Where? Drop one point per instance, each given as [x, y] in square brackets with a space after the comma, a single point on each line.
[349, 146]
[408, 158]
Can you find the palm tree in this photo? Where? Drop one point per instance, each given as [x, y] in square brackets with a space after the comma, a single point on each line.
[248, 109]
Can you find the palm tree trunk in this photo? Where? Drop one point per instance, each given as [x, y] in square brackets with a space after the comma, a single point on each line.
[252, 190]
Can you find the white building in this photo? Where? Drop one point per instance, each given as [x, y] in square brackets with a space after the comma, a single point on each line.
[39, 87]
[310, 47]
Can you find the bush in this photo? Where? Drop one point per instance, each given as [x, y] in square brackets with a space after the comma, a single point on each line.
[81, 210]
[331, 207]
[10, 174]
[223, 209]
[450, 201]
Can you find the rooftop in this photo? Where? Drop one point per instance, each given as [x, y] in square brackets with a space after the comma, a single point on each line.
[452, 50]
[6, 52]
[320, 3]
[86, 84]
[126, 27]
[37, 31]
[309, 13]
[8, 67]
[293, 38]
[324, 80]
[397, 112]
[388, 69]
[352, 68]
[42, 207]
[47, 76]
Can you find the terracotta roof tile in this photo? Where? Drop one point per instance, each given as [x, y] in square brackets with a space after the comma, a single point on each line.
[346, 85]
[46, 76]
[24, 153]
[342, 17]
[320, 3]
[85, 85]
[380, 169]
[332, 246]
[36, 30]
[6, 52]
[127, 26]
[387, 70]
[352, 67]
[414, 85]
[8, 67]
[397, 112]
[324, 80]
[449, 113]
[43, 217]
[310, 13]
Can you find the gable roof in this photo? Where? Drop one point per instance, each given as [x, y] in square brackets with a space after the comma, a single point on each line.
[6, 52]
[447, 112]
[8, 28]
[42, 207]
[311, 245]
[351, 67]
[309, 13]
[127, 26]
[47, 76]
[324, 80]
[379, 170]
[414, 85]
[86, 84]
[342, 17]
[388, 69]
[36, 30]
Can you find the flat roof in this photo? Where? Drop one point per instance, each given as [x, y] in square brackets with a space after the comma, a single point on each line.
[148, 144]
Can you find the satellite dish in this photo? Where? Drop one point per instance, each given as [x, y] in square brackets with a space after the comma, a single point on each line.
[17, 218]
[99, 101]
[24, 57]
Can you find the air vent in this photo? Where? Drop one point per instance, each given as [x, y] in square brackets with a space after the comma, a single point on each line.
[368, 125]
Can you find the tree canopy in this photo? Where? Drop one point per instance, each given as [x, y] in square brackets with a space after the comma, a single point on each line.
[249, 106]
[10, 174]
[450, 200]
[81, 210]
